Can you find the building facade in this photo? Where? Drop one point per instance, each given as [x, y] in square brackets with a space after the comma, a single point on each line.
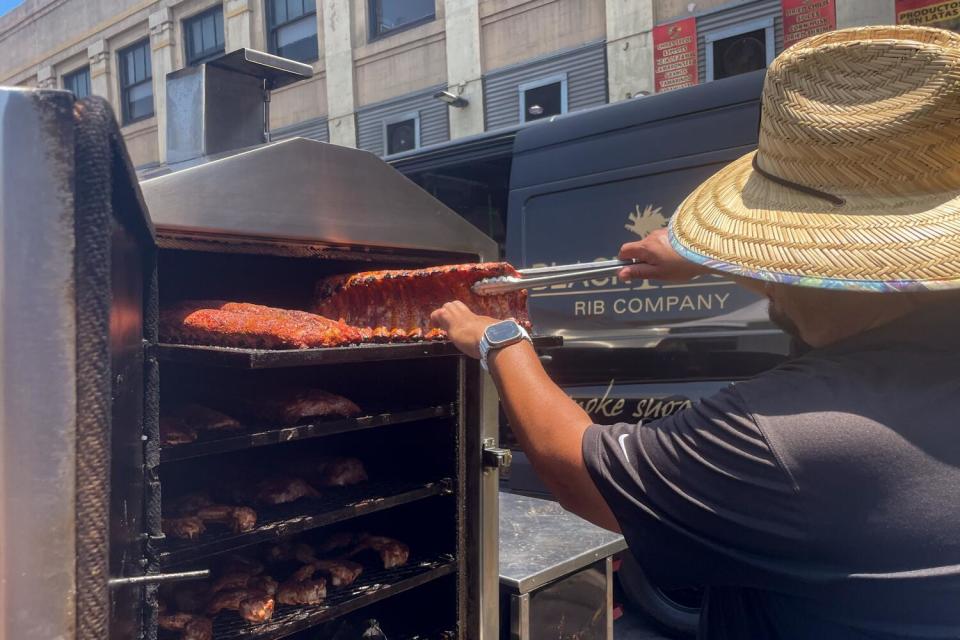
[395, 75]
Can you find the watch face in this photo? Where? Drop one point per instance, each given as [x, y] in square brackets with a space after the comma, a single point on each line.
[502, 332]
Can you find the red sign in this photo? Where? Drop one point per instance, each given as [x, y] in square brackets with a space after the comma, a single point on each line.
[929, 13]
[805, 18]
[675, 55]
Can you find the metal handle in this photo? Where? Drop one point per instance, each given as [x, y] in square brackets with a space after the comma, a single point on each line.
[562, 268]
[495, 457]
[492, 286]
[155, 578]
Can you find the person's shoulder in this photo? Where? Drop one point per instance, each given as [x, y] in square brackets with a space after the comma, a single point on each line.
[794, 383]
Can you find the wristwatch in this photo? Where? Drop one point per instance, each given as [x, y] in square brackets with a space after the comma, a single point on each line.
[500, 335]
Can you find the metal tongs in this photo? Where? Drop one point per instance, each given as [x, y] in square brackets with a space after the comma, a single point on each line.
[544, 276]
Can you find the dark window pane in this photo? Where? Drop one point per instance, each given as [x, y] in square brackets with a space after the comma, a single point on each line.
[401, 136]
[294, 9]
[740, 54]
[204, 35]
[309, 6]
[140, 101]
[136, 87]
[78, 82]
[209, 34]
[543, 102]
[218, 26]
[387, 15]
[298, 40]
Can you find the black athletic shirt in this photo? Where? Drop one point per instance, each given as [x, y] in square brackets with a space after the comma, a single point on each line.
[818, 500]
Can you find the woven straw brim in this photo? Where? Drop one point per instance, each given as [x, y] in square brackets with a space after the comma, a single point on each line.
[741, 223]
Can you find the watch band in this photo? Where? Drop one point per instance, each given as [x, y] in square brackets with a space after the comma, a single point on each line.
[486, 347]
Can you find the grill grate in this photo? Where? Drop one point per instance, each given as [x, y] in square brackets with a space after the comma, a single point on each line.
[369, 588]
[259, 437]
[276, 358]
[275, 522]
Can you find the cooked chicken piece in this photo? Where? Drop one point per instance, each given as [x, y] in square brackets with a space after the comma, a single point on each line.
[200, 418]
[187, 528]
[287, 551]
[175, 431]
[187, 505]
[264, 583]
[293, 405]
[242, 580]
[393, 553]
[190, 626]
[340, 572]
[257, 609]
[341, 472]
[240, 519]
[252, 605]
[339, 540]
[300, 593]
[281, 490]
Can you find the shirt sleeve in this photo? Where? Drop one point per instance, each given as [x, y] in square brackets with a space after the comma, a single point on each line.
[699, 495]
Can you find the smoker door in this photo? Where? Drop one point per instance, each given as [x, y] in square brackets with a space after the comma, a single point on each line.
[75, 244]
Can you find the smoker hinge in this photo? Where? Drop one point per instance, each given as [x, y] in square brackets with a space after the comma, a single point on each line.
[446, 486]
[495, 457]
[155, 578]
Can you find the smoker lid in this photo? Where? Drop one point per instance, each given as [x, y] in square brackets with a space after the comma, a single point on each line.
[308, 191]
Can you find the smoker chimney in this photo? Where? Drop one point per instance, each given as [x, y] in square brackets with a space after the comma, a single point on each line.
[224, 104]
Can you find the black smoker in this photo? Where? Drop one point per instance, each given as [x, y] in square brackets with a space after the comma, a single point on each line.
[84, 379]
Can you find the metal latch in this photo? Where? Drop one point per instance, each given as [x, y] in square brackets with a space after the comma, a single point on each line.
[495, 457]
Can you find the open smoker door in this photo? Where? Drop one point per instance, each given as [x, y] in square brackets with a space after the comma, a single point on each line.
[77, 254]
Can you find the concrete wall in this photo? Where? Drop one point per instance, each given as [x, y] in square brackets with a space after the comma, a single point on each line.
[513, 31]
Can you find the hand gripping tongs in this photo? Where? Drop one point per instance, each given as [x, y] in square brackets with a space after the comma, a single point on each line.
[544, 276]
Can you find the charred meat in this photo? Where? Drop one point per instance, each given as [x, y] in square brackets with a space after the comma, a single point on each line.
[175, 431]
[190, 626]
[303, 592]
[290, 406]
[396, 305]
[342, 472]
[252, 605]
[284, 489]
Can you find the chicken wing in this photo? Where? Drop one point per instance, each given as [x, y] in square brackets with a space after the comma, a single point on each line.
[252, 605]
[239, 519]
[393, 553]
[342, 472]
[341, 572]
[186, 528]
[281, 490]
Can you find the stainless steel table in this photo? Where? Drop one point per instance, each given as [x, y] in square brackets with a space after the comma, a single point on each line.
[556, 572]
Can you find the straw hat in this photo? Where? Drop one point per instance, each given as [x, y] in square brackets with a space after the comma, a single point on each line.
[856, 181]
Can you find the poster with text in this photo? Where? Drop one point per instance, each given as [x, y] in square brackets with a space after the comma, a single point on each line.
[929, 13]
[805, 18]
[675, 55]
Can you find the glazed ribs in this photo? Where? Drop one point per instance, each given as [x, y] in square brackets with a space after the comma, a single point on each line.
[396, 305]
[253, 326]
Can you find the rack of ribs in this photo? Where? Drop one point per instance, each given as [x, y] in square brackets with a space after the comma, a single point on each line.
[396, 305]
[252, 326]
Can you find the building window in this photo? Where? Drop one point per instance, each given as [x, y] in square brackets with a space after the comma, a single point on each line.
[401, 133]
[390, 16]
[543, 98]
[739, 49]
[203, 35]
[136, 82]
[293, 29]
[78, 82]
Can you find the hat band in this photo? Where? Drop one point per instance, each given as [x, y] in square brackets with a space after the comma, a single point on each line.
[810, 191]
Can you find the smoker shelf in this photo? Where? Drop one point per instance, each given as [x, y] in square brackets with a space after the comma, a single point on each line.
[369, 588]
[279, 521]
[276, 358]
[260, 437]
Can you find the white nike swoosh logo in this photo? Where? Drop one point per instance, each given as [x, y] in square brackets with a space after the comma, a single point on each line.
[622, 437]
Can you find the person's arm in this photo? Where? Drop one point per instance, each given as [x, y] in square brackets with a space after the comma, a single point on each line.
[548, 424]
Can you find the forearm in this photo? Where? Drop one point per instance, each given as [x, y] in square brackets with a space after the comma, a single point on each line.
[550, 427]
